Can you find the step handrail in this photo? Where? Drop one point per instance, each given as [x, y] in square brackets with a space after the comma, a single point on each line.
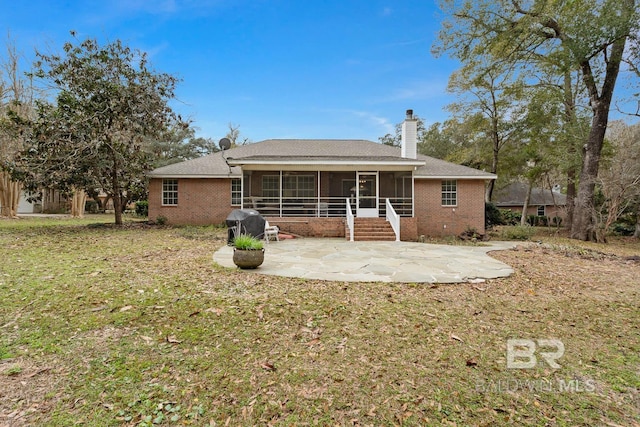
[394, 219]
[350, 220]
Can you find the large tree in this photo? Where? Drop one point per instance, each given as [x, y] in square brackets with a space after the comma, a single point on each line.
[594, 38]
[16, 107]
[109, 104]
[179, 143]
[493, 110]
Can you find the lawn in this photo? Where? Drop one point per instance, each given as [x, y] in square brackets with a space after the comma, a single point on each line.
[106, 326]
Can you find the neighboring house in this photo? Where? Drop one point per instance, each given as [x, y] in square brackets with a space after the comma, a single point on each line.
[308, 187]
[542, 202]
[52, 202]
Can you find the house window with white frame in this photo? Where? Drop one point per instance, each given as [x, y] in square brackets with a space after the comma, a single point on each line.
[450, 192]
[541, 210]
[236, 191]
[271, 186]
[170, 192]
[299, 186]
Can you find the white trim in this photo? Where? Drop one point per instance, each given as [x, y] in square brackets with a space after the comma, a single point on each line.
[174, 176]
[326, 162]
[368, 212]
[467, 177]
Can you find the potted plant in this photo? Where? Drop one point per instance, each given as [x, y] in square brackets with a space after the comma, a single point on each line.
[248, 252]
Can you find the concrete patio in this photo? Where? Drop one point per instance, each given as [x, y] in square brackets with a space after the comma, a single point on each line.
[409, 262]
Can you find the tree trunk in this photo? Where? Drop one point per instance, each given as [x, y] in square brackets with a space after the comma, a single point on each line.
[571, 196]
[77, 203]
[582, 227]
[117, 197]
[494, 162]
[9, 196]
[525, 205]
[570, 123]
[583, 222]
[636, 234]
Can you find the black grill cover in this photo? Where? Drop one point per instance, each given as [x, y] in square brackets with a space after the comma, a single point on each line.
[245, 221]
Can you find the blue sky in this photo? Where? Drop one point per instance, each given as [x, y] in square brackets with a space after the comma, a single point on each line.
[277, 68]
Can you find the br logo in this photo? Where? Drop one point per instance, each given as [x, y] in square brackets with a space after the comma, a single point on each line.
[521, 353]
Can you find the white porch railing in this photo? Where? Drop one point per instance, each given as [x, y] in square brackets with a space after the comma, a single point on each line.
[350, 220]
[394, 219]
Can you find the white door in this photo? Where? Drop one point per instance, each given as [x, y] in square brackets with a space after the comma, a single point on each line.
[367, 194]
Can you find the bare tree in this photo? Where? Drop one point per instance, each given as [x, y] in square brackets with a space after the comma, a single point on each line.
[16, 107]
[619, 183]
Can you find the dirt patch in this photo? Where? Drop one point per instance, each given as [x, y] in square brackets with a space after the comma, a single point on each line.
[28, 389]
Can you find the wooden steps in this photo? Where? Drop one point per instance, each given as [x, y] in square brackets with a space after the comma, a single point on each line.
[372, 229]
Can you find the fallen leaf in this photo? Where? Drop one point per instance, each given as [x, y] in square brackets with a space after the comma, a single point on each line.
[457, 338]
[267, 366]
[472, 362]
[195, 313]
[172, 339]
[126, 308]
[217, 311]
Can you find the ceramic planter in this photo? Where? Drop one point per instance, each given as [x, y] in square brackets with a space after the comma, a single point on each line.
[248, 258]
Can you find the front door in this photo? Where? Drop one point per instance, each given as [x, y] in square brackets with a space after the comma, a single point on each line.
[367, 194]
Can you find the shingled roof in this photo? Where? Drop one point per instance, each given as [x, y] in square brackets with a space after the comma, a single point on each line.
[322, 151]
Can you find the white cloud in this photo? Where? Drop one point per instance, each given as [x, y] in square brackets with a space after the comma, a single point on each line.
[381, 122]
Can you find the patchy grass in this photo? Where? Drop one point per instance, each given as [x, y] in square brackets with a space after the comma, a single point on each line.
[136, 326]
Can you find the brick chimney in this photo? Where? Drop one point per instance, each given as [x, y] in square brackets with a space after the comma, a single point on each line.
[409, 137]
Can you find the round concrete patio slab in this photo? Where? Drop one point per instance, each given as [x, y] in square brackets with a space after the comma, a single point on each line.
[409, 262]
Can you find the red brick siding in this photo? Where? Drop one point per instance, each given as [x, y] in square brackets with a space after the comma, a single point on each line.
[408, 229]
[208, 201]
[200, 202]
[437, 220]
[310, 227]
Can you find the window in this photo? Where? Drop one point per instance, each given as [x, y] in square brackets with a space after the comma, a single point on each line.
[293, 186]
[236, 191]
[271, 186]
[449, 193]
[299, 186]
[170, 192]
[541, 210]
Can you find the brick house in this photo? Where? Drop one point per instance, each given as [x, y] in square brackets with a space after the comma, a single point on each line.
[542, 202]
[325, 188]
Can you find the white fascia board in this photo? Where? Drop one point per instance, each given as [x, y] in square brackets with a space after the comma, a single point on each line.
[176, 176]
[241, 162]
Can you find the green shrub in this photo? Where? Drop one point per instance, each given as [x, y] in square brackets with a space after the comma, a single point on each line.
[623, 228]
[142, 208]
[161, 220]
[556, 221]
[492, 215]
[91, 206]
[517, 232]
[247, 242]
[509, 217]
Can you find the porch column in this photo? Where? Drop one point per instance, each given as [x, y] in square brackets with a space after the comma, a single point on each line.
[318, 197]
